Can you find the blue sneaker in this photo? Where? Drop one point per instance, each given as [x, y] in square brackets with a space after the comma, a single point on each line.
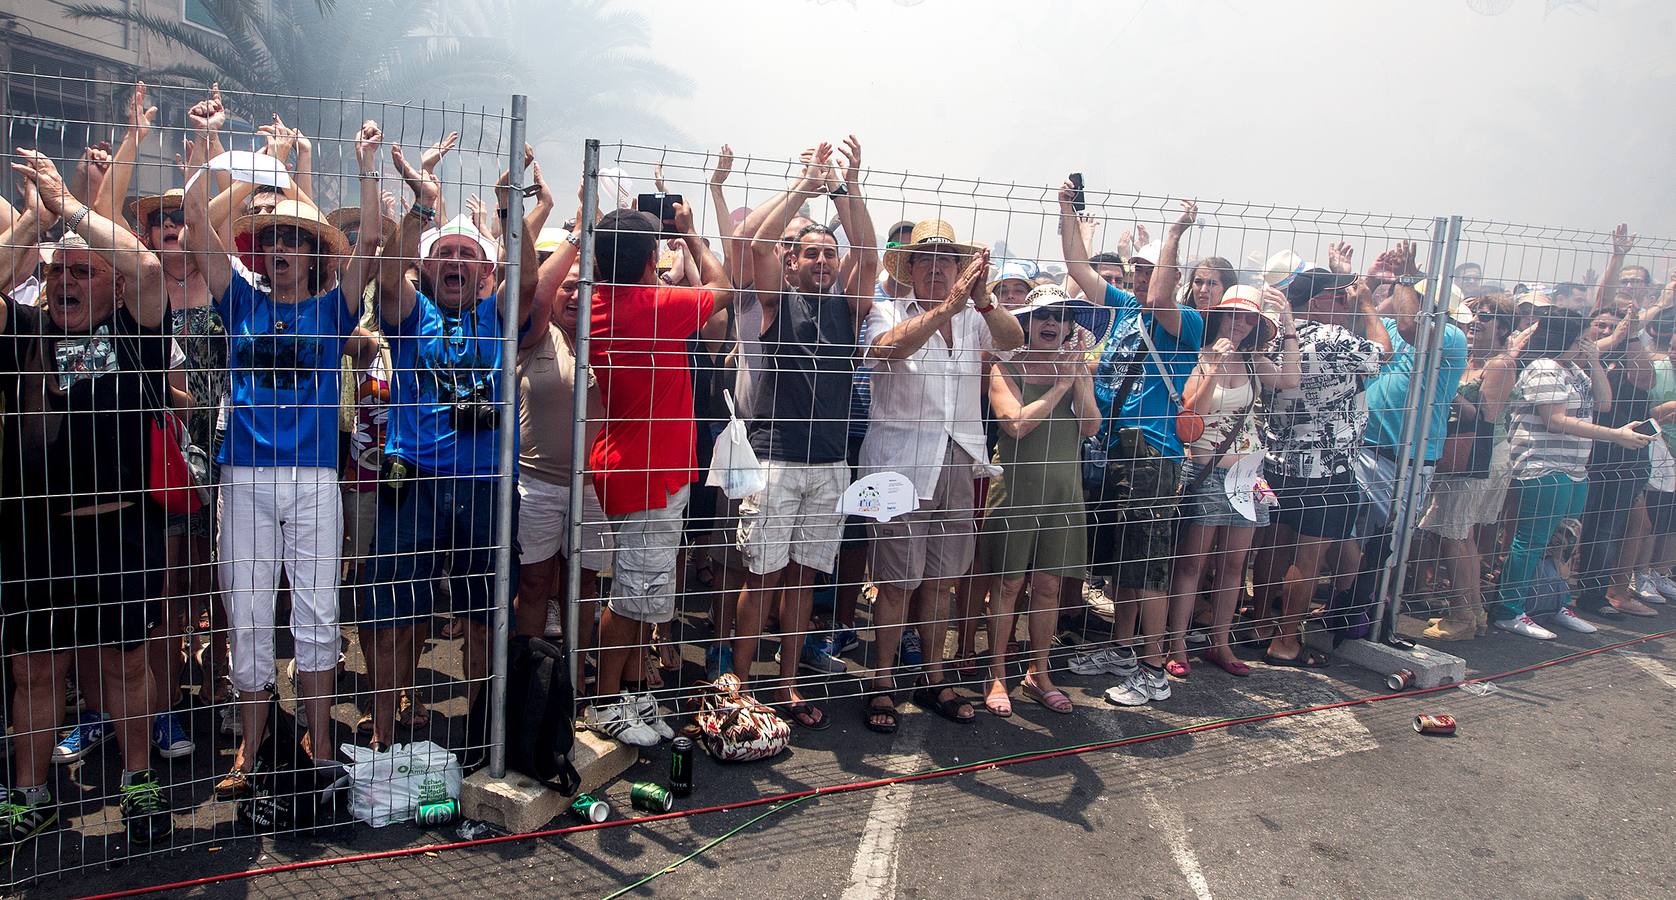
[168, 737]
[718, 661]
[911, 654]
[844, 640]
[813, 658]
[94, 729]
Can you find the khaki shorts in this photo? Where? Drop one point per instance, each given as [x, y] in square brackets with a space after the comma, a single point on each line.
[936, 541]
[643, 572]
[544, 524]
[795, 518]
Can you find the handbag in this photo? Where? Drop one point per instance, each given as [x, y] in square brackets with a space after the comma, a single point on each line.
[172, 480]
[734, 727]
[1190, 426]
[1227, 441]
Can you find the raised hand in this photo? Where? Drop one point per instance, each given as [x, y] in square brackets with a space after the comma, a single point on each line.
[1622, 241]
[427, 190]
[724, 166]
[1089, 226]
[189, 161]
[368, 142]
[1067, 193]
[1141, 237]
[851, 153]
[281, 139]
[683, 218]
[43, 176]
[973, 280]
[207, 116]
[1189, 215]
[657, 179]
[140, 116]
[435, 152]
[1274, 298]
[1339, 256]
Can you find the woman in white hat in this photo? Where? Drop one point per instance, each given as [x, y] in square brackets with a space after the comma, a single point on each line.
[279, 486]
[1043, 398]
[1223, 391]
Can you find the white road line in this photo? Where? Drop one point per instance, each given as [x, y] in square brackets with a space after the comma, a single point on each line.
[1651, 666]
[1175, 834]
[873, 875]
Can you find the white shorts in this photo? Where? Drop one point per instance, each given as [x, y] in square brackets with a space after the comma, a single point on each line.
[795, 518]
[544, 524]
[648, 549]
[269, 518]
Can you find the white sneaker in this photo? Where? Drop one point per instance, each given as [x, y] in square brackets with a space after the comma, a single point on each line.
[1526, 626]
[1139, 689]
[1665, 585]
[1106, 661]
[646, 709]
[618, 721]
[1567, 619]
[1642, 585]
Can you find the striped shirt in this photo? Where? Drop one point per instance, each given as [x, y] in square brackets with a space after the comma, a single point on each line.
[1534, 450]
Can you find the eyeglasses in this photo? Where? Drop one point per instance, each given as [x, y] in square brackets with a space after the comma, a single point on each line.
[78, 272]
[1632, 281]
[157, 217]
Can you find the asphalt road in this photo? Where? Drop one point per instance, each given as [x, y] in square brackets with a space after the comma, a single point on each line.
[1559, 784]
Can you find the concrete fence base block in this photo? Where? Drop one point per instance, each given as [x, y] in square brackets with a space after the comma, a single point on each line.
[1430, 667]
[518, 803]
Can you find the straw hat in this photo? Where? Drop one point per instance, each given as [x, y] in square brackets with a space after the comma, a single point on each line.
[303, 216]
[143, 207]
[1246, 299]
[927, 234]
[345, 218]
[1096, 319]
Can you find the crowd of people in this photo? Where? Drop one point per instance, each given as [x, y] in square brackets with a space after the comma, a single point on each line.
[1174, 459]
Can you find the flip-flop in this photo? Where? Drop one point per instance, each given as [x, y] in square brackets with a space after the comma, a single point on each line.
[889, 712]
[1308, 659]
[1055, 700]
[798, 711]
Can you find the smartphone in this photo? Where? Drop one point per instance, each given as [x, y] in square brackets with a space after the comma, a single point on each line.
[1079, 202]
[1648, 427]
[662, 206]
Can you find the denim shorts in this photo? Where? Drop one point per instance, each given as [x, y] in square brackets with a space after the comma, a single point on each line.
[432, 527]
[1207, 504]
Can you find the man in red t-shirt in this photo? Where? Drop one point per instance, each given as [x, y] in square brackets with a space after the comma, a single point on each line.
[643, 459]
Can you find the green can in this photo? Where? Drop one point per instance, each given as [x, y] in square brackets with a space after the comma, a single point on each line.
[590, 809]
[649, 796]
[431, 814]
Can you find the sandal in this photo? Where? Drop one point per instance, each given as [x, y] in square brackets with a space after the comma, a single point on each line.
[233, 785]
[927, 698]
[997, 701]
[1177, 668]
[1308, 659]
[411, 714]
[802, 713]
[455, 627]
[872, 711]
[1230, 665]
[1055, 700]
[967, 667]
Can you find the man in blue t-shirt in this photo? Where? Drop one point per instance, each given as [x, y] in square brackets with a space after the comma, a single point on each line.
[1135, 509]
[438, 501]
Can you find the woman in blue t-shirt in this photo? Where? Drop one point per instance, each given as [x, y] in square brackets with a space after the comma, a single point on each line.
[280, 503]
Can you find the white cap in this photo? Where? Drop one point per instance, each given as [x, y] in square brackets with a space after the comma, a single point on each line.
[461, 227]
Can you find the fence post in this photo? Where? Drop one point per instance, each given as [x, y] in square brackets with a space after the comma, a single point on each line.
[1411, 463]
[508, 438]
[579, 406]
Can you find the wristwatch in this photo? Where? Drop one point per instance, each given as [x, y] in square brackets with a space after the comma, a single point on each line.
[426, 213]
[839, 191]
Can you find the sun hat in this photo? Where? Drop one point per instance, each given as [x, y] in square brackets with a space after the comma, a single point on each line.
[459, 228]
[1458, 308]
[1147, 253]
[300, 215]
[345, 218]
[1096, 319]
[1282, 267]
[1314, 280]
[143, 207]
[931, 233]
[1015, 270]
[1247, 299]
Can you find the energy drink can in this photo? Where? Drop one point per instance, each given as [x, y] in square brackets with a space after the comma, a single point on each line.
[590, 809]
[440, 813]
[649, 796]
[681, 766]
[1399, 680]
[1439, 724]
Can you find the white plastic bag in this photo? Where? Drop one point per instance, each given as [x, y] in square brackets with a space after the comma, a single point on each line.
[389, 786]
[733, 466]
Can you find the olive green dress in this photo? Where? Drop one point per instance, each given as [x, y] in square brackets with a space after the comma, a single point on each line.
[1035, 521]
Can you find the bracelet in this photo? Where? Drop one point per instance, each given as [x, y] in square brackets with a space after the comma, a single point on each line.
[372, 174]
[573, 239]
[74, 222]
[984, 309]
[423, 212]
[1289, 335]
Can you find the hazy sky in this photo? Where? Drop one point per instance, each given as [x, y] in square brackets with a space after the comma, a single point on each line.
[1555, 112]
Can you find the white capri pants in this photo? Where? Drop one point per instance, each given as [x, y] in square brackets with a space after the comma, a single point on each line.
[271, 517]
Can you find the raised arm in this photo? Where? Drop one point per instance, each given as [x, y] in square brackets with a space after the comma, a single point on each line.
[529, 265]
[709, 267]
[141, 118]
[115, 243]
[396, 295]
[358, 269]
[201, 239]
[1166, 275]
[1607, 289]
[1076, 250]
[91, 182]
[19, 243]
[863, 258]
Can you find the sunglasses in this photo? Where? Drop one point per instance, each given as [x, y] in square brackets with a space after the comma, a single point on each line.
[79, 273]
[159, 216]
[1049, 316]
[288, 236]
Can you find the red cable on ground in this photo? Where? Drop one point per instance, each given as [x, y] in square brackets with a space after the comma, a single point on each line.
[861, 785]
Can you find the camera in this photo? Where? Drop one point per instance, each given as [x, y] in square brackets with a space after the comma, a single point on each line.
[475, 411]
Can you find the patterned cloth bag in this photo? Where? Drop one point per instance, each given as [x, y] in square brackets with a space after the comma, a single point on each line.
[736, 728]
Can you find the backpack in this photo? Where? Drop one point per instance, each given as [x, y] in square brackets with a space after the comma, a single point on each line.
[540, 716]
[288, 793]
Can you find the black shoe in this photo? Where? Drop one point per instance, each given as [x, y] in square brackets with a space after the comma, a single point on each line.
[145, 813]
[20, 822]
